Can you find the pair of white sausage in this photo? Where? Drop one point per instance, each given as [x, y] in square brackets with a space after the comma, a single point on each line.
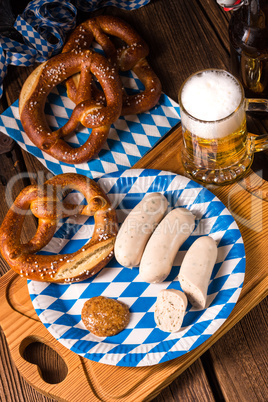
[141, 242]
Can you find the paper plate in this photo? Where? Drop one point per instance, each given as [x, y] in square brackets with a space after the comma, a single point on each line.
[142, 343]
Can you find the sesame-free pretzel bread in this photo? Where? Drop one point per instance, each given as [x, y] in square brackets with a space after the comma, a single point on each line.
[87, 111]
[129, 56]
[48, 205]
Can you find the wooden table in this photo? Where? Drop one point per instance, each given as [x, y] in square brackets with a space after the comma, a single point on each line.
[184, 36]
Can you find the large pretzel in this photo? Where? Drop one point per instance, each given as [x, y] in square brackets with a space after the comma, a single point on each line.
[87, 111]
[129, 57]
[48, 205]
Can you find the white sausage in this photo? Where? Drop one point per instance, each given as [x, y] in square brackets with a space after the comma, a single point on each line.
[138, 227]
[196, 269]
[170, 309]
[162, 247]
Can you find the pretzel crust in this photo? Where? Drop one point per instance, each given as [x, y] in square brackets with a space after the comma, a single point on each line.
[87, 111]
[124, 58]
[46, 204]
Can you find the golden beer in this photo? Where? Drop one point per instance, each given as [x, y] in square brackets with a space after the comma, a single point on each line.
[216, 148]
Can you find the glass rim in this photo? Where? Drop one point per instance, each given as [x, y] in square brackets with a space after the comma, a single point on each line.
[241, 103]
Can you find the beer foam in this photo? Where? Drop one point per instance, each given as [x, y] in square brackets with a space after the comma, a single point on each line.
[210, 96]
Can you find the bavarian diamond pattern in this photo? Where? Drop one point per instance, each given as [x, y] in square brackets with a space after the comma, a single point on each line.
[42, 19]
[142, 343]
[56, 13]
[130, 137]
[39, 21]
[35, 39]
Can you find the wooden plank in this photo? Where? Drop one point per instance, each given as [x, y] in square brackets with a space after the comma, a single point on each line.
[22, 327]
[189, 36]
[13, 387]
[191, 385]
[240, 358]
[17, 298]
[228, 376]
[254, 290]
[181, 38]
[13, 180]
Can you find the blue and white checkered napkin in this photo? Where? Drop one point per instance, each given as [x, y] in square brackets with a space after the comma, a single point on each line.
[45, 19]
[41, 20]
[129, 139]
[142, 343]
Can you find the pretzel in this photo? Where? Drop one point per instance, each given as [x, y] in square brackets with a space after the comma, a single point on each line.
[48, 205]
[130, 57]
[87, 111]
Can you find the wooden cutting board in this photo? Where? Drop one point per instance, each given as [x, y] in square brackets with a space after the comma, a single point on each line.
[91, 381]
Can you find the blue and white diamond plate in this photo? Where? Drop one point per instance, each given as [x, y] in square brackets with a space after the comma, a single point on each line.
[130, 137]
[142, 343]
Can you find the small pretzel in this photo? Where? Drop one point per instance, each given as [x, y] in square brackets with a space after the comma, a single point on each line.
[130, 57]
[90, 113]
[48, 205]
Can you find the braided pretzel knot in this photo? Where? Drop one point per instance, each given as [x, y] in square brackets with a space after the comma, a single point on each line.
[87, 111]
[48, 206]
[129, 57]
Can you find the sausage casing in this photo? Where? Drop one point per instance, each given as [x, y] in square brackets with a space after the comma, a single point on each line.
[162, 247]
[138, 227]
[196, 269]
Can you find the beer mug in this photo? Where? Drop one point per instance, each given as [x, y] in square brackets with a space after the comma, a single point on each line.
[217, 148]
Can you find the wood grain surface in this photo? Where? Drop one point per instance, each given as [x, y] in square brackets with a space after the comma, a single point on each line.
[184, 36]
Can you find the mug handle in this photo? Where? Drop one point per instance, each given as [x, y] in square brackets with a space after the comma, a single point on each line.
[259, 142]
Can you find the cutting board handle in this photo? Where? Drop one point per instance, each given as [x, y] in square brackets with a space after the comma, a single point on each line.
[22, 330]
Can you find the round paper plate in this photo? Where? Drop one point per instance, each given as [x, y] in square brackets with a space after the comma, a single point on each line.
[142, 343]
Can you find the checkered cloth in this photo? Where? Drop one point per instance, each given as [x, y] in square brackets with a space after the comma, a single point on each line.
[41, 20]
[142, 343]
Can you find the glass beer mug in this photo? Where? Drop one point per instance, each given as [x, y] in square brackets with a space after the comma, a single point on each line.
[217, 148]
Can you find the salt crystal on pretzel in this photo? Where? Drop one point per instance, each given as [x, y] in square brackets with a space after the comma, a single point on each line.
[47, 204]
[129, 57]
[87, 111]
